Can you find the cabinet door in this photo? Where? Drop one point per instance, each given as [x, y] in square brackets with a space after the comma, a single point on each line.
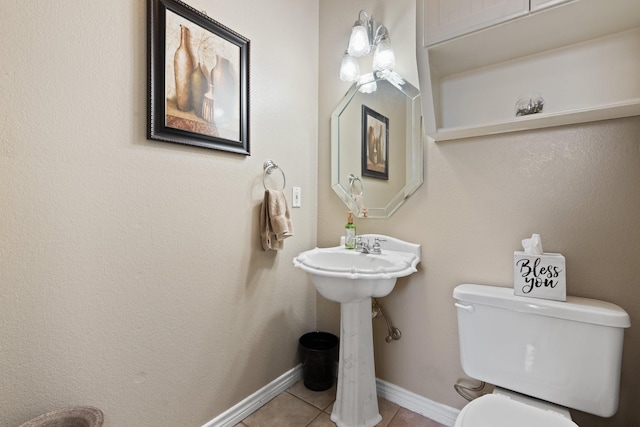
[543, 4]
[445, 19]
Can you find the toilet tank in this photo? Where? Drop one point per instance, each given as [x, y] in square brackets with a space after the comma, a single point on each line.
[568, 353]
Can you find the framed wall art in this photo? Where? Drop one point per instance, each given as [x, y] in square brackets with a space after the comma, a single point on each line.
[198, 79]
[375, 144]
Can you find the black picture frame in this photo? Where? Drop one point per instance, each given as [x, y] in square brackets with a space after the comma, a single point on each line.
[375, 144]
[212, 109]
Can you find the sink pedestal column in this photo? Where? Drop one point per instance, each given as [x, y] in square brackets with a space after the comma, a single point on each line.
[356, 399]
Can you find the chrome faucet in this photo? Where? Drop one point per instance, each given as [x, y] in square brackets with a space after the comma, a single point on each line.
[364, 246]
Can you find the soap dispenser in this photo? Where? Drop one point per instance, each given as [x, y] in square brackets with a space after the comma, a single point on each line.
[350, 233]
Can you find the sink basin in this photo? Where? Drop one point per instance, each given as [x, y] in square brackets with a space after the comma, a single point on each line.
[346, 275]
[352, 278]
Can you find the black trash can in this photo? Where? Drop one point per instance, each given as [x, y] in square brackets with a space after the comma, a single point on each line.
[319, 353]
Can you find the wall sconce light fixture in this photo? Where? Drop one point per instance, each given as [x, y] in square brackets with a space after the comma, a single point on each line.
[362, 42]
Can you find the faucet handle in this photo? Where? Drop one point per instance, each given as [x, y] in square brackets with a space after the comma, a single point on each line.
[377, 240]
[363, 244]
[376, 244]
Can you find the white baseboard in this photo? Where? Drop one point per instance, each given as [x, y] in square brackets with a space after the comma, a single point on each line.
[248, 406]
[436, 411]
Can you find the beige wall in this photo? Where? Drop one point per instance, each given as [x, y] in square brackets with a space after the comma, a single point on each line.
[578, 186]
[131, 274]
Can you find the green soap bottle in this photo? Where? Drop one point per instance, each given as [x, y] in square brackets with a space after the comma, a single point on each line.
[350, 233]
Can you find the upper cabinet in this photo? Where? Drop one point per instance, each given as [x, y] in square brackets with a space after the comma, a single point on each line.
[535, 5]
[446, 19]
[566, 61]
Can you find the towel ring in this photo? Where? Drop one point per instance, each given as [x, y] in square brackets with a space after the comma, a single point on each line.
[269, 167]
[352, 181]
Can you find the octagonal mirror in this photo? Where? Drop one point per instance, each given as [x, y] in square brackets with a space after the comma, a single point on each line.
[376, 145]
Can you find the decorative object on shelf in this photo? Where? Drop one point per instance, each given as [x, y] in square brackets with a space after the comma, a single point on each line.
[529, 105]
[366, 38]
[198, 79]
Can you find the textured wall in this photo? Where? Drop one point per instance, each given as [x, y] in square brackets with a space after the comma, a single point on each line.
[131, 274]
[577, 186]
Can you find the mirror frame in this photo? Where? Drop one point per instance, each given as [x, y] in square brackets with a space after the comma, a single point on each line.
[413, 151]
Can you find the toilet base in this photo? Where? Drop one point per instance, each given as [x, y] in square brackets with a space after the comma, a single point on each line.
[504, 408]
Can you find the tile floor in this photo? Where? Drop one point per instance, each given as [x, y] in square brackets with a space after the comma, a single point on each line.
[300, 407]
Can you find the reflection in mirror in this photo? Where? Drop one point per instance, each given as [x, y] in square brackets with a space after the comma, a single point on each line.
[376, 145]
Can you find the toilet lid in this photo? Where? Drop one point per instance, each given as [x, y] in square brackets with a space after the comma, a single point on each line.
[493, 410]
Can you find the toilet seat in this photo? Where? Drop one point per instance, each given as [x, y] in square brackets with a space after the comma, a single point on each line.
[493, 410]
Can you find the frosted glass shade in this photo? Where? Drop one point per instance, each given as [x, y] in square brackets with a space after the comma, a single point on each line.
[349, 69]
[383, 57]
[359, 41]
[367, 83]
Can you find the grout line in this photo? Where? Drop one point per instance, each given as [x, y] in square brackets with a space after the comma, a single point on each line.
[393, 417]
[308, 404]
[324, 410]
[311, 422]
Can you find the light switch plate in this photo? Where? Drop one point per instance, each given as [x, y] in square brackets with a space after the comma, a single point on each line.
[296, 194]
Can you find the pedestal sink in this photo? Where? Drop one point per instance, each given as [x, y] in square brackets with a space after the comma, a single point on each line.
[351, 278]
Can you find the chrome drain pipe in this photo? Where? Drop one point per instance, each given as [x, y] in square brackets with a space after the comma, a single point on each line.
[376, 310]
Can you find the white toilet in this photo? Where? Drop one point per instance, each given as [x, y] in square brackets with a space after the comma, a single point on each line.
[543, 356]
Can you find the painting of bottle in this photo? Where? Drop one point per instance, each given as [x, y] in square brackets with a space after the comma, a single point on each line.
[182, 70]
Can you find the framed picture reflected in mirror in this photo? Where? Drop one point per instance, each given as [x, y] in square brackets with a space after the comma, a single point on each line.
[375, 144]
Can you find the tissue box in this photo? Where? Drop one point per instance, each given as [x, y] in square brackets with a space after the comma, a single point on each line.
[540, 276]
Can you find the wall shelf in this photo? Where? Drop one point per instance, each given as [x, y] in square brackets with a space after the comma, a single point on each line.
[543, 120]
[584, 61]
